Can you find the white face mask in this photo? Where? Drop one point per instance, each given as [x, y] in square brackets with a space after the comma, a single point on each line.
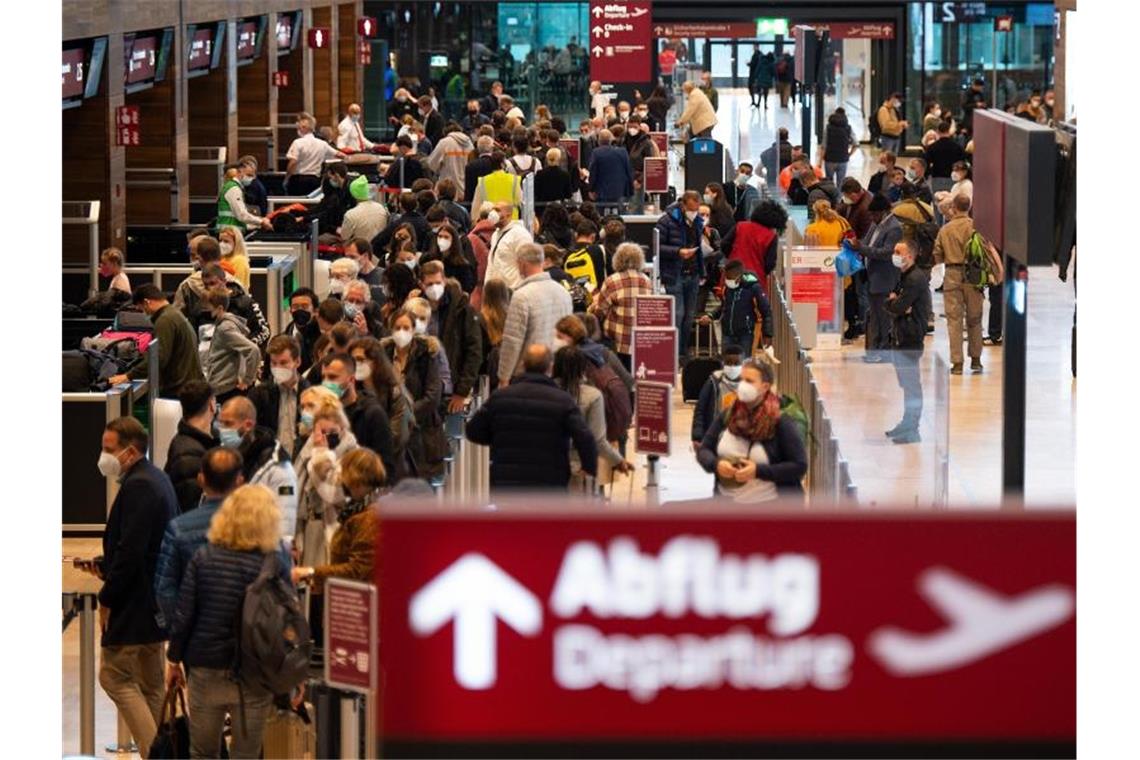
[560, 343]
[732, 371]
[109, 465]
[281, 375]
[741, 180]
[957, 176]
[897, 261]
[226, 248]
[708, 198]
[402, 337]
[624, 115]
[410, 263]
[690, 215]
[363, 372]
[911, 175]
[421, 326]
[747, 392]
[632, 131]
[494, 217]
[444, 244]
[732, 283]
[434, 291]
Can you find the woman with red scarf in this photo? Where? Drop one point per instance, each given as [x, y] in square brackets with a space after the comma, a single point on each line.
[756, 452]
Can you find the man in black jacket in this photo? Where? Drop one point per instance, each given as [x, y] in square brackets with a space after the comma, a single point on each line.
[410, 214]
[368, 419]
[482, 165]
[529, 425]
[944, 152]
[431, 119]
[453, 322]
[881, 179]
[278, 399]
[909, 306]
[131, 669]
[194, 437]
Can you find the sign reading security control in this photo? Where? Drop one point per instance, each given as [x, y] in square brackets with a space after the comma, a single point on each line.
[705, 625]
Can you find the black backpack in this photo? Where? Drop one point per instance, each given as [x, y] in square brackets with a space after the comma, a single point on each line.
[272, 634]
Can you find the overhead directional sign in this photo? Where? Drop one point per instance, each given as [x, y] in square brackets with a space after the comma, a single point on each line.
[620, 44]
[700, 624]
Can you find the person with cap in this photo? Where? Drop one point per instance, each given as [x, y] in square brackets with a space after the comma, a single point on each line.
[178, 361]
[368, 217]
[877, 247]
[350, 135]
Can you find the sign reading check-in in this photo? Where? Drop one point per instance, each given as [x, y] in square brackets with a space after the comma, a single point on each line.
[593, 626]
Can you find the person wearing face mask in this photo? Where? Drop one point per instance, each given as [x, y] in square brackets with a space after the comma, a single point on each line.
[264, 460]
[756, 452]
[932, 118]
[744, 312]
[431, 119]
[747, 194]
[881, 179]
[716, 394]
[131, 661]
[178, 362]
[336, 200]
[256, 196]
[400, 106]
[508, 239]
[235, 260]
[909, 306]
[367, 418]
[877, 247]
[303, 325]
[306, 156]
[360, 311]
[194, 437]
[720, 213]
[890, 125]
[232, 211]
[454, 324]
[917, 174]
[536, 306]
[855, 208]
[474, 117]
[414, 358]
[233, 360]
[681, 267]
[350, 132]
[277, 400]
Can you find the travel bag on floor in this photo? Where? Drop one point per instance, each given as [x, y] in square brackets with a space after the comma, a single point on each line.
[702, 362]
[291, 734]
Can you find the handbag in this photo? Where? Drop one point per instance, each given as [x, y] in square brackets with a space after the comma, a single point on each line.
[173, 738]
[848, 261]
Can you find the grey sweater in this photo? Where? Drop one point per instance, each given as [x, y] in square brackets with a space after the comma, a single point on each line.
[233, 357]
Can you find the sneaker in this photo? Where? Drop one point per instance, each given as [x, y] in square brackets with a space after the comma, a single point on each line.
[996, 341]
[976, 366]
[907, 436]
[873, 359]
[956, 369]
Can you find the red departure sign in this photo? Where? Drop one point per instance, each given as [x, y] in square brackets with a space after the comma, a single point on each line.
[319, 37]
[653, 311]
[655, 355]
[351, 637]
[366, 26]
[280, 78]
[858, 30]
[127, 125]
[619, 42]
[652, 418]
[655, 174]
[701, 625]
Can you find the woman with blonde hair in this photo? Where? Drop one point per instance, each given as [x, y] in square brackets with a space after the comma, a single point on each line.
[244, 537]
[318, 495]
[353, 546]
[235, 259]
[828, 229]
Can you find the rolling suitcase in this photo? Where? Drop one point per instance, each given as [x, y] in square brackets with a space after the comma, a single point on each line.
[290, 734]
[702, 362]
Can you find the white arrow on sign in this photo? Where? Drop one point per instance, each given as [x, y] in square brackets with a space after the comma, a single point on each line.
[597, 30]
[597, 11]
[475, 592]
[982, 622]
[598, 50]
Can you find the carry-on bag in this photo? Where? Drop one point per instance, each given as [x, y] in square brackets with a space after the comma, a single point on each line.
[702, 363]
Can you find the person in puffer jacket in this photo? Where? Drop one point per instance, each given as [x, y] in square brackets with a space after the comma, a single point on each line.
[243, 534]
[233, 360]
[745, 314]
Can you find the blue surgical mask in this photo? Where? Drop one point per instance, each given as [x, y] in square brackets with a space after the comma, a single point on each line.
[230, 437]
[334, 387]
[307, 419]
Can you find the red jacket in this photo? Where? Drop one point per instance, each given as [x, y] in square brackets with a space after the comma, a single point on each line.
[751, 245]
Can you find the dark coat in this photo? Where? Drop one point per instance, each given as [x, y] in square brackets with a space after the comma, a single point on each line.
[941, 156]
[551, 184]
[413, 170]
[433, 126]
[371, 428]
[838, 139]
[787, 459]
[266, 398]
[673, 236]
[476, 168]
[257, 197]
[423, 383]
[184, 536]
[529, 425]
[913, 291]
[882, 275]
[639, 148]
[184, 461]
[611, 174]
[859, 215]
[213, 587]
[461, 338]
[131, 542]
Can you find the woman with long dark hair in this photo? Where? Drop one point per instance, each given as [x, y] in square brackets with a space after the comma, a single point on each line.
[375, 374]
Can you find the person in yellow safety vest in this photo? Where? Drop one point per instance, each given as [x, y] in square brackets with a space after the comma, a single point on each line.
[499, 187]
[232, 211]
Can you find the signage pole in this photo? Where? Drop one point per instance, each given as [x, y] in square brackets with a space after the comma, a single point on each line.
[1013, 385]
[993, 64]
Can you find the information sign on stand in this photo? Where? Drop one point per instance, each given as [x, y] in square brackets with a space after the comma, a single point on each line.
[655, 355]
[652, 418]
[654, 311]
[655, 177]
[813, 280]
[572, 147]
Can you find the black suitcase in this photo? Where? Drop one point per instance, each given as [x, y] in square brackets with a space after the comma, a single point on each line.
[702, 362]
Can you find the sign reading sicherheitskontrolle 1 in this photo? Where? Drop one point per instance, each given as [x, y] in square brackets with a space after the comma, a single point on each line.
[705, 625]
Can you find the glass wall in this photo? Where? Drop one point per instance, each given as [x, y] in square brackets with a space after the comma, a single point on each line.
[951, 44]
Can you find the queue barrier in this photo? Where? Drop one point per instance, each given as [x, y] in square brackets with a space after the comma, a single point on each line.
[84, 606]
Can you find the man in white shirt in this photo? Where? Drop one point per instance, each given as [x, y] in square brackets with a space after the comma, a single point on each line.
[306, 156]
[510, 235]
[350, 134]
[367, 217]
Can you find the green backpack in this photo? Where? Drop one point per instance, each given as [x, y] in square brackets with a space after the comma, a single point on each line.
[982, 268]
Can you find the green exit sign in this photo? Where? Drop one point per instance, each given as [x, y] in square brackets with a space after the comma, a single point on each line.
[767, 26]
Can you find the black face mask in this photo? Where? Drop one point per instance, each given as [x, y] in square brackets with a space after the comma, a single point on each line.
[473, 112]
[333, 439]
[301, 317]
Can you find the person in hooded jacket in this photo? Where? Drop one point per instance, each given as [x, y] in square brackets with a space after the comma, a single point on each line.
[716, 394]
[448, 159]
[194, 438]
[817, 189]
[744, 312]
[234, 360]
[680, 264]
[839, 144]
[755, 242]
[755, 450]
[264, 459]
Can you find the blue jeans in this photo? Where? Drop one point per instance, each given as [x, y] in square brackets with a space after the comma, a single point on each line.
[684, 291]
[910, 380]
[836, 171]
[890, 143]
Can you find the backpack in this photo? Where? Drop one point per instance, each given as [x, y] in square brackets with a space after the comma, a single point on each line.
[874, 128]
[580, 297]
[791, 408]
[519, 172]
[619, 410]
[89, 369]
[925, 233]
[579, 264]
[983, 264]
[272, 634]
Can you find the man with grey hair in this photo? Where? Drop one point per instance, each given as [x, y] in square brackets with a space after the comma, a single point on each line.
[506, 242]
[482, 165]
[306, 156]
[536, 306]
[611, 173]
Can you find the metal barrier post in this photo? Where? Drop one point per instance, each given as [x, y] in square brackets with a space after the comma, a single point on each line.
[123, 741]
[86, 605]
[349, 727]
